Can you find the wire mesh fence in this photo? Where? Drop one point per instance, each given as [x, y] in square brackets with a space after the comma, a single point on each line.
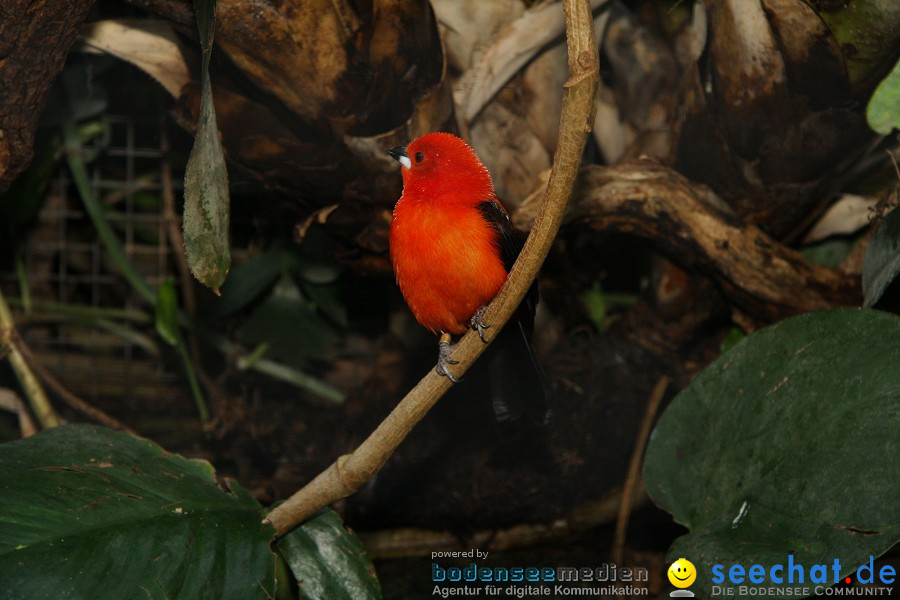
[82, 319]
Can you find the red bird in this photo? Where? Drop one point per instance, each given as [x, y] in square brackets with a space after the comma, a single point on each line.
[452, 246]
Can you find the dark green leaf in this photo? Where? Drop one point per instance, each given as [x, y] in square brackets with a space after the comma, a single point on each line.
[883, 110]
[167, 312]
[288, 324]
[319, 273]
[327, 300]
[830, 252]
[595, 305]
[86, 512]
[867, 32]
[734, 335]
[252, 277]
[206, 201]
[787, 444]
[328, 561]
[882, 261]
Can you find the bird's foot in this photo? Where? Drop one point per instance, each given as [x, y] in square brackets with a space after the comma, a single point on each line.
[444, 359]
[478, 323]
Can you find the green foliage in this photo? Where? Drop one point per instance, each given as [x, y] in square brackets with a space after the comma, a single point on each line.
[787, 444]
[96, 211]
[883, 110]
[307, 334]
[866, 30]
[206, 200]
[294, 305]
[86, 512]
[328, 561]
[599, 303]
[882, 261]
[167, 312]
[595, 305]
[167, 315]
[830, 252]
[734, 335]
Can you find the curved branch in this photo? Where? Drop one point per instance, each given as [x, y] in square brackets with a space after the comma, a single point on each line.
[757, 273]
[37, 398]
[350, 471]
[64, 394]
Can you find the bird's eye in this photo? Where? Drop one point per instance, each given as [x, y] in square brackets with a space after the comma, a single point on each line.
[419, 157]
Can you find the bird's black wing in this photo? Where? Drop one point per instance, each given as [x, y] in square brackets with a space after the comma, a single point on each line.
[511, 239]
[511, 242]
[515, 391]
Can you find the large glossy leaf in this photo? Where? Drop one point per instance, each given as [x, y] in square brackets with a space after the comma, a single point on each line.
[881, 264]
[206, 200]
[787, 444]
[328, 561]
[86, 512]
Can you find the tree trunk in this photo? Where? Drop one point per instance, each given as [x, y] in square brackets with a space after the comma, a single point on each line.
[35, 37]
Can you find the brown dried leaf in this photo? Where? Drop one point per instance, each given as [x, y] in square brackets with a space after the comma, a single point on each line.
[744, 52]
[265, 148]
[510, 150]
[542, 94]
[296, 53]
[510, 51]
[805, 39]
[150, 45]
[470, 26]
[848, 215]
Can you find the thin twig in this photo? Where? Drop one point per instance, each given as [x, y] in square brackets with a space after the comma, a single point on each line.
[173, 230]
[64, 394]
[398, 543]
[37, 398]
[9, 400]
[350, 471]
[633, 479]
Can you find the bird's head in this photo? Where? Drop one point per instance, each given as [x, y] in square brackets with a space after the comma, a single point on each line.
[441, 165]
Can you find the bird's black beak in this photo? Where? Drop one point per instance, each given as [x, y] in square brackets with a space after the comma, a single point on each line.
[399, 154]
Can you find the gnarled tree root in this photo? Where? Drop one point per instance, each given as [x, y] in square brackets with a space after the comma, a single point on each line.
[757, 274]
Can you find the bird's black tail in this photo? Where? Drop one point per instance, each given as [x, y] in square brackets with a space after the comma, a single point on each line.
[518, 387]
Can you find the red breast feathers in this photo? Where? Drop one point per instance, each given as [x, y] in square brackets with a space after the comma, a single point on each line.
[446, 254]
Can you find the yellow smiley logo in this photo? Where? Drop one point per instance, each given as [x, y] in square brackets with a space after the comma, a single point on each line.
[682, 573]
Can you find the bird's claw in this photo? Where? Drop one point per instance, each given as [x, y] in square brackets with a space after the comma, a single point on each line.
[444, 360]
[478, 323]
